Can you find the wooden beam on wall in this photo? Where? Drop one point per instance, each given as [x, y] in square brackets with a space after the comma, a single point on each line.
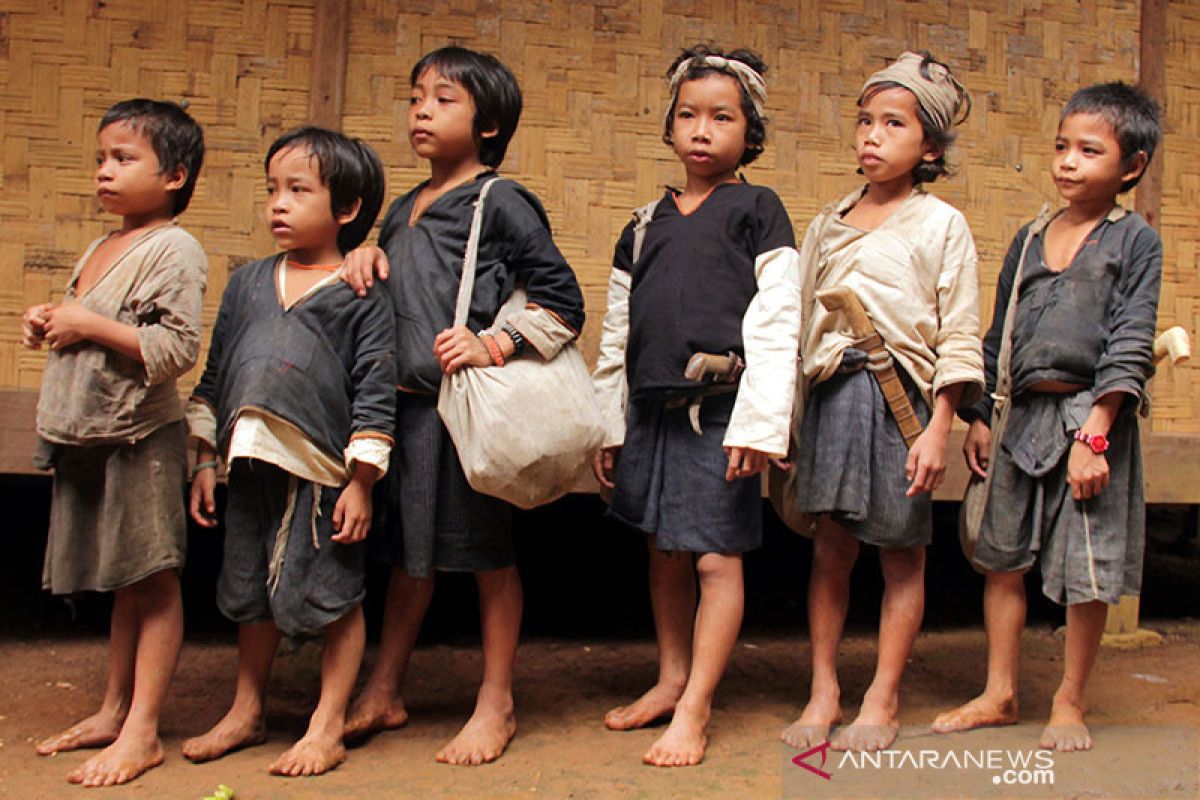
[327, 72]
[1152, 77]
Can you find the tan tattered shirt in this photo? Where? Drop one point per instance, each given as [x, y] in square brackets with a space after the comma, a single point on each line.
[94, 395]
[915, 275]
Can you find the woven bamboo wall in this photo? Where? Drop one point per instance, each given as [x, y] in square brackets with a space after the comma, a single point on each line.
[589, 140]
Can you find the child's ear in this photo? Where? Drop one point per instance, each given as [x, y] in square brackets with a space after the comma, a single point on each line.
[932, 153]
[347, 216]
[490, 133]
[177, 179]
[1137, 166]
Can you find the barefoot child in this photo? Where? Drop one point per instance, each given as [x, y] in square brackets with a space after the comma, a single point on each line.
[910, 260]
[716, 272]
[297, 397]
[463, 111]
[1066, 471]
[111, 425]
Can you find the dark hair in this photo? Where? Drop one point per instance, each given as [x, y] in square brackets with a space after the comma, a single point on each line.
[351, 171]
[940, 138]
[177, 139]
[491, 85]
[1136, 120]
[756, 124]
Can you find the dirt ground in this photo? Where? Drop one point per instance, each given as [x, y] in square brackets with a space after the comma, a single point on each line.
[562, 750]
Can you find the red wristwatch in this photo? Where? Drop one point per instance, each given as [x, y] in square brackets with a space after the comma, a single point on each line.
[1097, 441]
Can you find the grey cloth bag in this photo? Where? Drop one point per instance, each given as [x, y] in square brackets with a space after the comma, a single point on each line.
[970, 515]
[525, 432]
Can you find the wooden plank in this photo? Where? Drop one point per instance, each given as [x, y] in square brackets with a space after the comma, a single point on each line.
[327, 72]
[1172, 469]
[1152, 77]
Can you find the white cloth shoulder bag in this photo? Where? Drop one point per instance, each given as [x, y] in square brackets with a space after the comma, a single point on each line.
[525, 432]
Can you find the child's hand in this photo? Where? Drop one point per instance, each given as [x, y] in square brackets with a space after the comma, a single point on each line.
[203, 503]
[33, 325]
[66, 325]
[1087, 472]
[604, 465]
[456, 348]
[360, 267]
[977, 447]
[744, 462]
[352, 512]
[926, 464]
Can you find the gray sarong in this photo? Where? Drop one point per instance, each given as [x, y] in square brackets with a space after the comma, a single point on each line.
[1090, 549]
[851, 459]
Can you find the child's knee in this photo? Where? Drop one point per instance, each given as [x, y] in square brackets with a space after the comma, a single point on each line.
[719, 567]
[902, 563]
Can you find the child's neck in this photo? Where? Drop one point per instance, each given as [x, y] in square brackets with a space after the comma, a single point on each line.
[137, 223]
[326, 255]
[699, 187]
[445, 175]
[889, 192]
[1082, 213]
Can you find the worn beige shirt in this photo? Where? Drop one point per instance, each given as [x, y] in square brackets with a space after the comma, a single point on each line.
[94, 395]
[916, 276]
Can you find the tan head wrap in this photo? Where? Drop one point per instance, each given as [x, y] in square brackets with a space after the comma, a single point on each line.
[940, 95]
[747, 76]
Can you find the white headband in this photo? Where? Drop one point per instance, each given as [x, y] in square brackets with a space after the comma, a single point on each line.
[747, 76]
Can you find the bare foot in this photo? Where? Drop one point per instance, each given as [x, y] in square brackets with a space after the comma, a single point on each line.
[682, 744]
[372, 715]
[312, 755]
[233, 732]
[812, 728]
[657, 703]
[122, 761]
[875, 728]
[982, 712]
[98, 730]
[483, 739]
[1066, 731]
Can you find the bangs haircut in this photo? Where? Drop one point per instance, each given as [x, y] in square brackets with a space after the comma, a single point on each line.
[177, 140]
[1133, 115]
[492, 87]
[349, 168]
[756, 124]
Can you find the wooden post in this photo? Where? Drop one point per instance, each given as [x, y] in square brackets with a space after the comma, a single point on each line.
[1152, 77]
[327, 72]
[1121, 627]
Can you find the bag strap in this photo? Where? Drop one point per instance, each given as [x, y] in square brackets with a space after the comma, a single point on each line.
[466, 286]
[1003, 361]
[641, 220]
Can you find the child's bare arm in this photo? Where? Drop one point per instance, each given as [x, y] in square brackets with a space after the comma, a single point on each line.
[745, 462]
[926, 464]
[977, 447]
[202, 503]
[1087, 472]
[352, 513]
[33, 325]
[362, 265]
[604, 465]
[71, 323]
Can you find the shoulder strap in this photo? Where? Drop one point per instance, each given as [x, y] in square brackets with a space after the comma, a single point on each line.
[641, 217]
[1003, 361]
[466, 286]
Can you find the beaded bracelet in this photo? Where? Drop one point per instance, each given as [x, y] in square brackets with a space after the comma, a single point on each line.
[201, 466]
[493, 349]
[518, 340]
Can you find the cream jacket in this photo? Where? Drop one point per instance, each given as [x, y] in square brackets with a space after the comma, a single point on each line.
[915, 275]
